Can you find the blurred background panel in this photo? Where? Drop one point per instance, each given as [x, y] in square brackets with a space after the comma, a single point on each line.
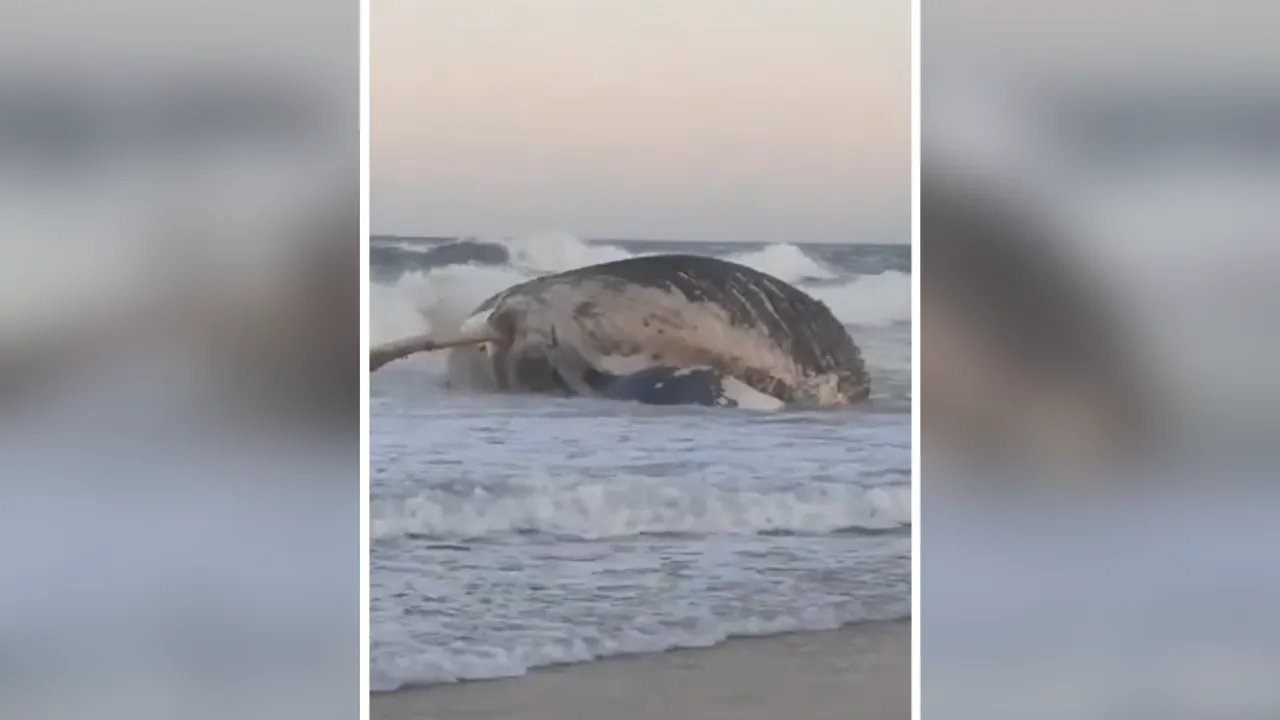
[179, 359]
[1098, 332]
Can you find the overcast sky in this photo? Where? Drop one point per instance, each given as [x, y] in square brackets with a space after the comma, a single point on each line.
[718, 120]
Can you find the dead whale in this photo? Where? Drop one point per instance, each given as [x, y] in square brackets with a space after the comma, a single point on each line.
[729, 334]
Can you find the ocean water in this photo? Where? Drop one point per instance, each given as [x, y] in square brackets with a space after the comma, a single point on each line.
[513, 531]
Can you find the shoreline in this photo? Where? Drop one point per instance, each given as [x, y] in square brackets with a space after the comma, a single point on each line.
[857, 672]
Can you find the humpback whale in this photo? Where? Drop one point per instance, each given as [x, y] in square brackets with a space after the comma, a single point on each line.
[660, 329]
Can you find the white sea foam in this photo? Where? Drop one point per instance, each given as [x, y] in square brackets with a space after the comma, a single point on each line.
[622, 506]
[868, 300]
[785, 262]
[556, 251]
[390, 670]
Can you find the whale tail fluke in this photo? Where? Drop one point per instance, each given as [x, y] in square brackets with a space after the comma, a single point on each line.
[396, 349]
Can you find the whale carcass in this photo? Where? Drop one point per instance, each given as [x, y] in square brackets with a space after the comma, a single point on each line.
[638, 328]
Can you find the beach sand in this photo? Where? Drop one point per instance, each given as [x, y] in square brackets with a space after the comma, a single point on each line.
[860, 672]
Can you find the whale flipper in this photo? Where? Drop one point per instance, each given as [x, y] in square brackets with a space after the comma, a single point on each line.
[388, 352]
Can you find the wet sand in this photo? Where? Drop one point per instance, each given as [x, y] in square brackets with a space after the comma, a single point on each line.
[861, 672]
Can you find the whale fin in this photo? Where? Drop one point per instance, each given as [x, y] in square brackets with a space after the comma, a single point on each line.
[387, 352]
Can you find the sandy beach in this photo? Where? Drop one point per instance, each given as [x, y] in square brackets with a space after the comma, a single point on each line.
[861, 672]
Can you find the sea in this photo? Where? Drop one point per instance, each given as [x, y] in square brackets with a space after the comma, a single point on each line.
[511, 532]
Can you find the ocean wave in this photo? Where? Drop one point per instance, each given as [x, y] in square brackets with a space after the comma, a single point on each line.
[868, 300]
[391, 670]
[553, 252]
[785, 262]
[622, 507]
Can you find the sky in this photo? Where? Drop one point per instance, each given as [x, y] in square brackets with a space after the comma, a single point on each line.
[716, 120]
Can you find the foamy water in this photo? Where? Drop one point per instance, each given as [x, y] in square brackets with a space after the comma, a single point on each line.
[511, 532]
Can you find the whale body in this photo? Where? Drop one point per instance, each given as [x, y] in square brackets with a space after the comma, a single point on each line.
[655, 328]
